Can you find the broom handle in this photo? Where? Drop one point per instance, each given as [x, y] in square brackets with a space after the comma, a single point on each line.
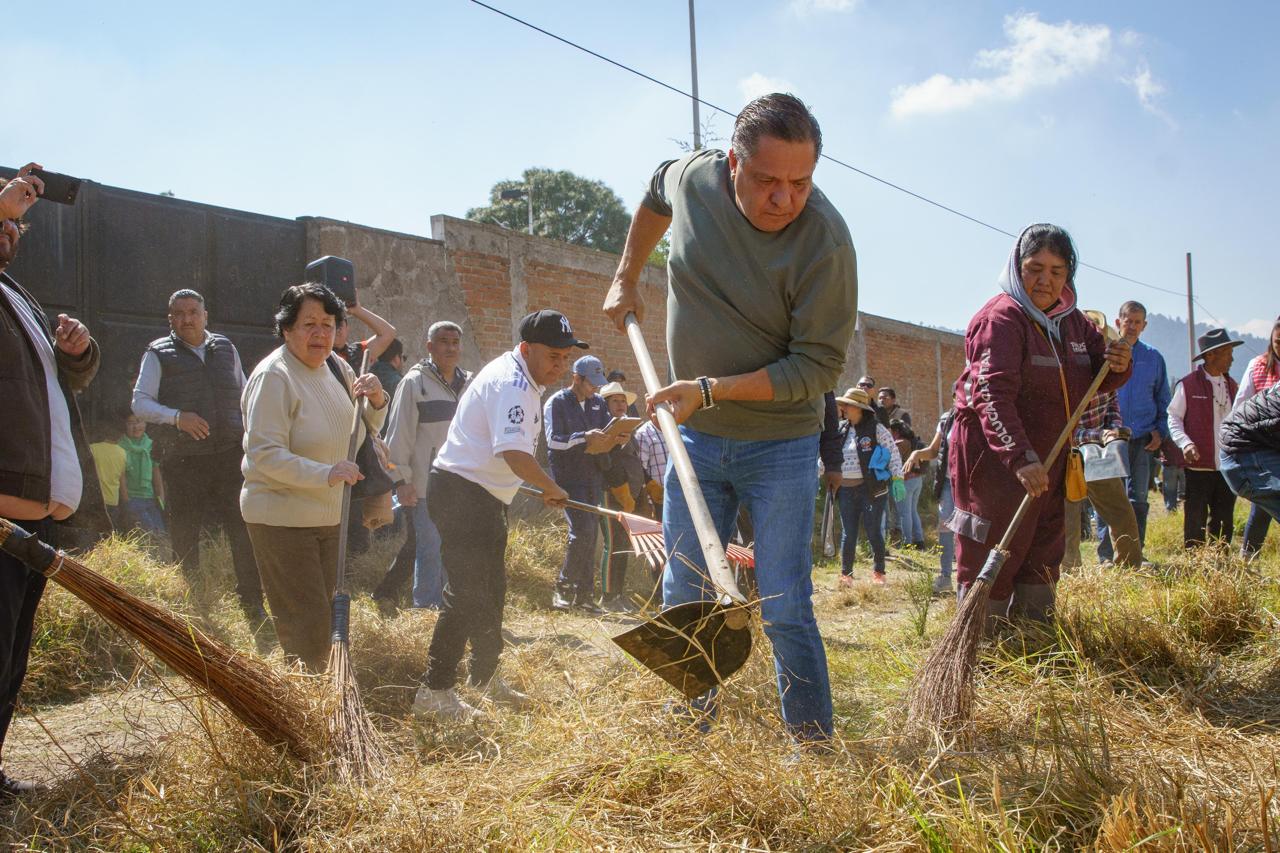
[708, 536]
[353, 444]
[1053, 454]
[572, 504]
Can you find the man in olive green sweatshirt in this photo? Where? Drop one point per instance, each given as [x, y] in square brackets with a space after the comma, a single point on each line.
[761, 303]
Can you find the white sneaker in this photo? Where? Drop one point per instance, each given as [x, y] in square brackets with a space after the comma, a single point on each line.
[501, 693]
[442, 705]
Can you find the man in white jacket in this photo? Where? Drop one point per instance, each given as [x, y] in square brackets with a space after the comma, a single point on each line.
[425, 402]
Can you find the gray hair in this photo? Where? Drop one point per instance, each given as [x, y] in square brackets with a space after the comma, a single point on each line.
[782, 116]
[1131, 306]
[186, 293]
[442, 326]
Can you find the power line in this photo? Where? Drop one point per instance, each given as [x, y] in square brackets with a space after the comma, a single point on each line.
[827, 157]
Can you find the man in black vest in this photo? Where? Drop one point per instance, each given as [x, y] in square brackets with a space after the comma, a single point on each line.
[189, 386]
[46, 473]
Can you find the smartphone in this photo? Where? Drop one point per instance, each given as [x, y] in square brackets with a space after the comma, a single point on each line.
[60, 188]
[337, 274]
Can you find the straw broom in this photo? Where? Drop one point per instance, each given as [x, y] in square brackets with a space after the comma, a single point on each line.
[942, 695]
[247, 687]
[357, 752]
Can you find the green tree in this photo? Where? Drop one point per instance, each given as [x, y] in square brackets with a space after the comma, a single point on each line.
[566, 207]
[662, 251]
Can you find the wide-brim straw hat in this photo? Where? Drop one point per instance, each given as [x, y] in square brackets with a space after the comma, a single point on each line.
[857, 397]
[1212, 340]
[616, 388]
[1099, 320]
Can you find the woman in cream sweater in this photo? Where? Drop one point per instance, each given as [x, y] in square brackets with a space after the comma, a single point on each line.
[297, 418]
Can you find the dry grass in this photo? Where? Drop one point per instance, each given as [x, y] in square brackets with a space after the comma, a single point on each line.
[1146, 720]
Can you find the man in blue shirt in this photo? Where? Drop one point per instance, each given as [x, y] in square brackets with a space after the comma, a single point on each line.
[576, 448]
[1144, 402]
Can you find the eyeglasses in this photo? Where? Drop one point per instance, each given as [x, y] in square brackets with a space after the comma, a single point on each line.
[866, 385]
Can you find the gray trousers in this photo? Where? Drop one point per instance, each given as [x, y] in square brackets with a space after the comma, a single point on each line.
[299, 569]
[1111, 499]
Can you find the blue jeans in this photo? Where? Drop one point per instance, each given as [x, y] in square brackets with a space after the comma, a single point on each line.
[1139, 480]
[947, 539]
[577, 579]
[1174, 480]
[1255, 531]
[776, 482]
[428, 565]
[145, 513]
[1255, 476]
[909, 513]
[858, 507]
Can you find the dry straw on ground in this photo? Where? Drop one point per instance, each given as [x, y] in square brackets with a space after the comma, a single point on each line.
[1147, 720]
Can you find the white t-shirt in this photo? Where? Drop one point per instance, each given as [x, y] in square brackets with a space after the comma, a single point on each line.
[501, 410]
[66, 482]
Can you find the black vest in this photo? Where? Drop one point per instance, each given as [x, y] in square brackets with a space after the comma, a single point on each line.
[866, 442]
[210, 388]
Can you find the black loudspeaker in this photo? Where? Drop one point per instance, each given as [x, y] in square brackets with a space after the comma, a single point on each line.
[337, 274]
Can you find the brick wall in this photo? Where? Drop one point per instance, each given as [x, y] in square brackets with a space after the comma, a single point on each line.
[506, 274]
[919, 363]
[486, 278]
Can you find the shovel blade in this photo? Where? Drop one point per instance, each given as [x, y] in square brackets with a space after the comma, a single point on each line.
[690, 646]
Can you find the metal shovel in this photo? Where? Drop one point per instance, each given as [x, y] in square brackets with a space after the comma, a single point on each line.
[694, 646]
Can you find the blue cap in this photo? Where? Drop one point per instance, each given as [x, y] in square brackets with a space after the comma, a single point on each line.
[590, 368]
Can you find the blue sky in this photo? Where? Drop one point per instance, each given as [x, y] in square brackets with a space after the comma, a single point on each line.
[1149, 129]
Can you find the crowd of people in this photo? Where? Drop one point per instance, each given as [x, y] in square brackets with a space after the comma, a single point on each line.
[761, 310]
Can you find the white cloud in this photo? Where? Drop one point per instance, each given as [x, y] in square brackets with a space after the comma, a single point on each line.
[1148, 89]
[757, 84]
[1038, 55]
[809, 7]
[1258, 327]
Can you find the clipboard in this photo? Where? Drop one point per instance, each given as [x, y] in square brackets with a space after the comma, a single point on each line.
[619, 426]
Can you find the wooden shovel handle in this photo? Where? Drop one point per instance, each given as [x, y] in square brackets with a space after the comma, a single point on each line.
[708, 535]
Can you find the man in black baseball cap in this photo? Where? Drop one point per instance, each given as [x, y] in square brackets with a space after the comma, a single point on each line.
[550, 328]
[490, 450]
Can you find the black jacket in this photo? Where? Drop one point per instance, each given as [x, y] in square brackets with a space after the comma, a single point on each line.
[25, 452]
[831, 442]
[1255, 425]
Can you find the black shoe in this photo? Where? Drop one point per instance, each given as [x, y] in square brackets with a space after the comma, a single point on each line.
[560, 602]
[388, 607]
[12, 788]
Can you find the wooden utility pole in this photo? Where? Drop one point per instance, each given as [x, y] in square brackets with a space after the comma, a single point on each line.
[1191, 315]
[693, 68]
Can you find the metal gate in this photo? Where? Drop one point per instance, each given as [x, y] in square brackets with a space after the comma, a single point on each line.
[113, 259]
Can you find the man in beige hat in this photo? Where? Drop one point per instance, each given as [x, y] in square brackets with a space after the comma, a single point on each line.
[1101, 434]
[624, 476]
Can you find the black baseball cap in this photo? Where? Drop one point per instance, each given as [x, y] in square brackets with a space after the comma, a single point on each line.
[550, 328]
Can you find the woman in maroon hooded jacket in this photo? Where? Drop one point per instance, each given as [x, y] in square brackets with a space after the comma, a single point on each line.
[1021, 349]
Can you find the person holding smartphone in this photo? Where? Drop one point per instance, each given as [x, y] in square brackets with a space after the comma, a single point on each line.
[46, 472]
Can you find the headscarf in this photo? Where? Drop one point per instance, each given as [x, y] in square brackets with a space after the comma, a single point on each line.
[1011, 283]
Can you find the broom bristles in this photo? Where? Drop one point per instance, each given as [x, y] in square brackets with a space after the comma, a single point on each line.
[249, 688]
[942, 694]
[357, 751]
